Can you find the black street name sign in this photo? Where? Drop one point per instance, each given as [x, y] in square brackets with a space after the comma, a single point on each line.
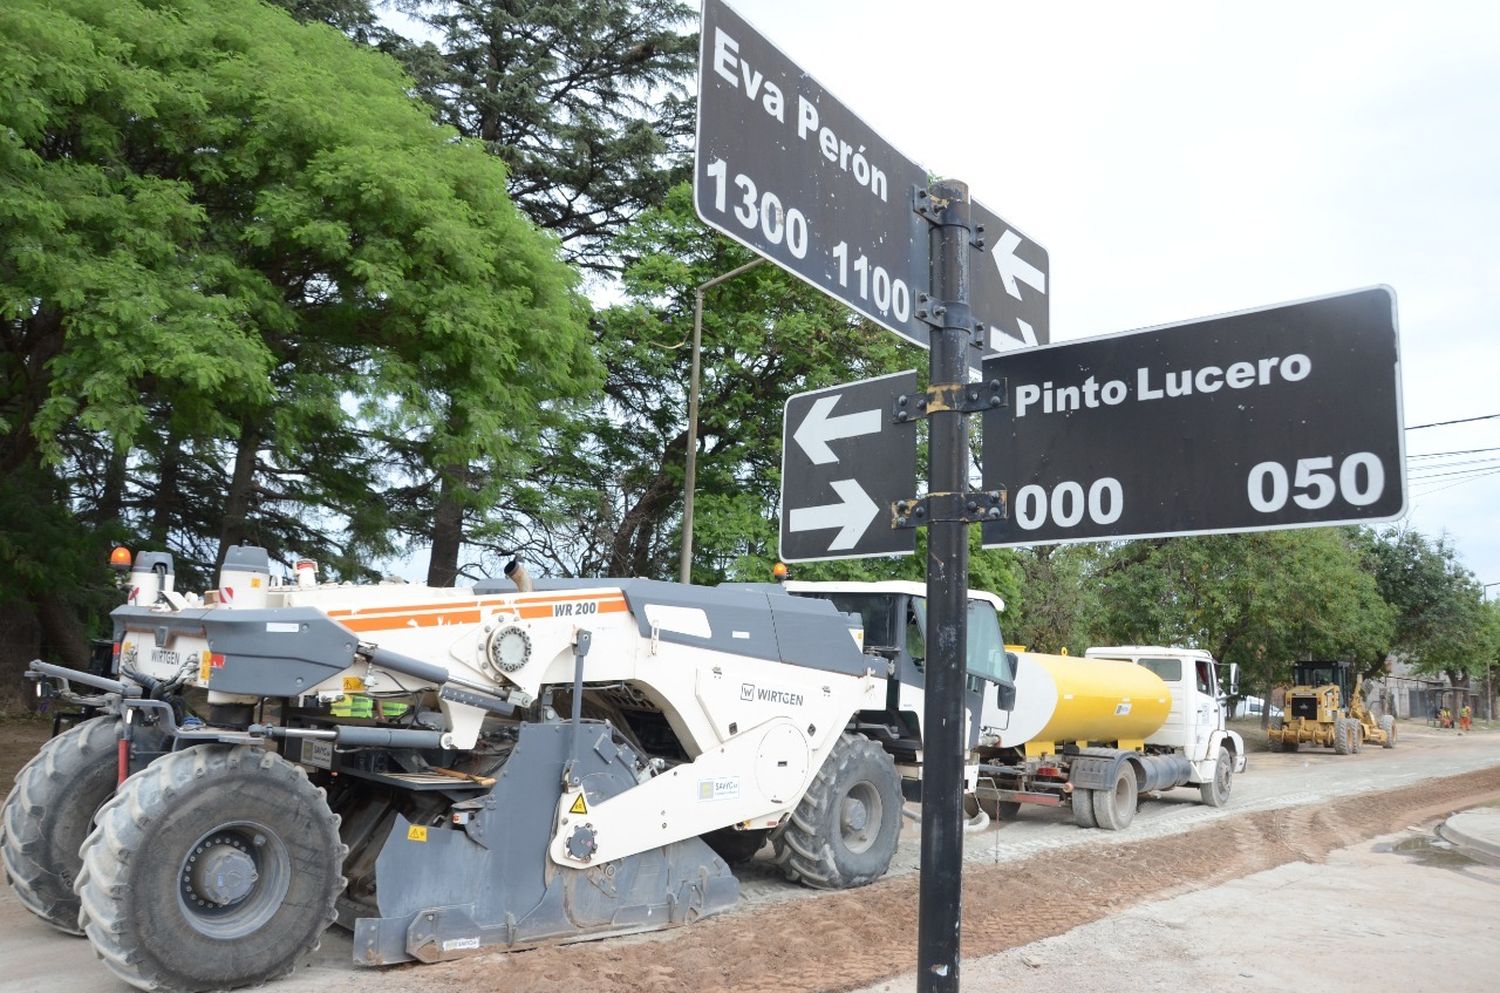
[844, 461]
[1284, 417]
[787, 170]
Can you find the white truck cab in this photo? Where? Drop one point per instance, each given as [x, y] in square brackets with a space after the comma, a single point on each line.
[1196, 723]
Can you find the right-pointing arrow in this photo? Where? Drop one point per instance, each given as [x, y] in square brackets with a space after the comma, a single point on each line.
[820, 427]
[852, 516]
[1013, 267]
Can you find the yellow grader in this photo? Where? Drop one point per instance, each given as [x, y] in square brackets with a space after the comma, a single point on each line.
[1324, 710]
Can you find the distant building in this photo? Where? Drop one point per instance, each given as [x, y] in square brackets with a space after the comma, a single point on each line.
[1405, 693]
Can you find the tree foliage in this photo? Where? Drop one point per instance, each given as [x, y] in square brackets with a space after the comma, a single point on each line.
[1442, 623]
[585, 101]
[238, 263]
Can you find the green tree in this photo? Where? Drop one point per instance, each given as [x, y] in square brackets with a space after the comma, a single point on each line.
[586, 102]
[1442, 623]
[1259, 600]
[236, 260]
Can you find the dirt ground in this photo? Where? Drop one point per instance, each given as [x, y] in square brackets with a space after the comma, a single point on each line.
[1400, 913]
[1055, 880]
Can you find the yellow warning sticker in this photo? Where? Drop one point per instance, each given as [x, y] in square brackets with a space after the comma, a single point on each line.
[579, 807]
[255, 582]
[205, 667]
[353, 684]
[415, 833]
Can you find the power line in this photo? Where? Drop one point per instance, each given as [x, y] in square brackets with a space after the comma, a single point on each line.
[1449, 486]
[1455, 472]
[1461, 420]
[1429, 467]
[1457, 451]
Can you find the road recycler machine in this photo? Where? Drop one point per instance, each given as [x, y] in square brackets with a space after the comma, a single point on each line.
[444, 770]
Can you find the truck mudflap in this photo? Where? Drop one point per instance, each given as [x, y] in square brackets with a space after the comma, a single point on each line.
[1098, 769]
[448, 890]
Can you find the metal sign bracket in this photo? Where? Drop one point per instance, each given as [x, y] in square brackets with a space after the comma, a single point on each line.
[972, 507]
[972, 398]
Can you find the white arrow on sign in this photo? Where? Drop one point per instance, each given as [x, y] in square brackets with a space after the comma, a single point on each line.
[1012, 267]
[852, 516]
[819, 427]
[1002, 342]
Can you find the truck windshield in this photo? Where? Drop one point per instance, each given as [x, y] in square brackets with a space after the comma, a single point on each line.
[987, 659]
[1170, 670]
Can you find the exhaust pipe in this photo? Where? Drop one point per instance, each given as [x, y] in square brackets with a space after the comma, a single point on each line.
[516, 573]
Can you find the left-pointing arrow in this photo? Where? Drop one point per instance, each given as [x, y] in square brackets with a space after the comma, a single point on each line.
[852, 516]
[820, 427]
[1012, 267]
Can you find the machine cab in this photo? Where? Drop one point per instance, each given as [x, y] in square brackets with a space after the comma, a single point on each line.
[894, 615]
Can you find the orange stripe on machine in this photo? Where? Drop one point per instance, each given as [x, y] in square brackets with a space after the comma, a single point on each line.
[570, 607]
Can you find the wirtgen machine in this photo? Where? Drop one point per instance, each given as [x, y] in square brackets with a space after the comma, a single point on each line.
[1323, 709]
[446, 770]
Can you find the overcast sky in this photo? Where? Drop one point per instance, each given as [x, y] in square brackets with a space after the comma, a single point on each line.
[1180, 160]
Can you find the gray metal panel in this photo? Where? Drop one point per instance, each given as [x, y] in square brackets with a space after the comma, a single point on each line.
[247, 558]
[492, 883]
[801, 631]
[276, 651]
[145, 561]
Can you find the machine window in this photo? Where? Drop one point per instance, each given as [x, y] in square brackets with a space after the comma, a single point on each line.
[1205, 677]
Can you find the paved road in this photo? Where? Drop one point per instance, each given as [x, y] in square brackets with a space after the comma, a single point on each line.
[37, 959]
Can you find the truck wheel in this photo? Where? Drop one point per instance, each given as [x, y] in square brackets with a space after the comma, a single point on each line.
[1388, 725]
[1341, 738]
[50, 812]
[1273, 740]
[845, 829]
[1114, 808]
[211, 868]
[1215, 792]
[1083, 809]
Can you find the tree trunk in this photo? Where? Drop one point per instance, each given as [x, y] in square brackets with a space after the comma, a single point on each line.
[63, 631]
[165, 501]
[236, 527]
[20, 642]
[447, 527]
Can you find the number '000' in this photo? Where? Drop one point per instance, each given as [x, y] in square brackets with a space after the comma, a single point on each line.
[1069, 504]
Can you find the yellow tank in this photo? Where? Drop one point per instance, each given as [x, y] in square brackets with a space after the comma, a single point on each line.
[1063, 699]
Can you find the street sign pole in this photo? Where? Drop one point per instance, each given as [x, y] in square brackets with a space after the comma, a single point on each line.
[941, 883]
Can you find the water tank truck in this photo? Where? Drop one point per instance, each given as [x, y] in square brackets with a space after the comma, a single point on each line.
[1096, 733]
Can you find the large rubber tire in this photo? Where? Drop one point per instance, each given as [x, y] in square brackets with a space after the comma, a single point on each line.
[1083, 809]
[1114, 808]
[1342, 739]
[845, 829]
[1388, 725]
[1215, 792]
[50, 812]
[258, 901]
[1278, 725]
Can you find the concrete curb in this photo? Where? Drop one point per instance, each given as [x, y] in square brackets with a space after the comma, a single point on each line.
[1477, 829]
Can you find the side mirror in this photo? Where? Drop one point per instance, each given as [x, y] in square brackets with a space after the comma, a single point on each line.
[1005, 690]
[1005, 696]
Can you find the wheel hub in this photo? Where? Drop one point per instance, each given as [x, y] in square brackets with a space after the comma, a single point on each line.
[223, 874]
[856, 815]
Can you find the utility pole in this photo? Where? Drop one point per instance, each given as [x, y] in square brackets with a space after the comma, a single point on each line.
[690, 471]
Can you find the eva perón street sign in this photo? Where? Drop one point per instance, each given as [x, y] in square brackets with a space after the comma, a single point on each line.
[788, 171]
[844, 461]
[1284, 417]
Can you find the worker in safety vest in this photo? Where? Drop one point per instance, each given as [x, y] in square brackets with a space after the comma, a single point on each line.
[1465, 719]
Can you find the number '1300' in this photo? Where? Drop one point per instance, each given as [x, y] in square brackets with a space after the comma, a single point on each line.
[760, 210]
